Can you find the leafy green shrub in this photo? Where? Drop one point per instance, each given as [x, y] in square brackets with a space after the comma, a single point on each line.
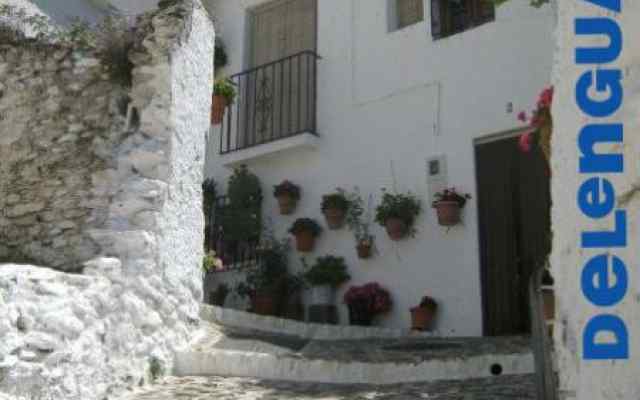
[328, 270]
[305, 224]
[220, 56]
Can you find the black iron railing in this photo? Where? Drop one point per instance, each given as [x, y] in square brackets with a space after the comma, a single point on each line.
[235, 254]
[274, 101]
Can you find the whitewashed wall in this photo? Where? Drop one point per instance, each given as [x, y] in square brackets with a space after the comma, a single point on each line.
[396, 99]
[579, 378]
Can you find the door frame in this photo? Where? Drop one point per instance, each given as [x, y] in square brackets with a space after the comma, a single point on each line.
[490, 138]
[250, 13]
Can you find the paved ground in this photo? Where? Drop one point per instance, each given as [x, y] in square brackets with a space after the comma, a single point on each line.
[217, 388]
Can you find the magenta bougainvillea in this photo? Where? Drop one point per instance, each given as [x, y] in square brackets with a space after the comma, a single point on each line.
[540, 124]
[371, 296]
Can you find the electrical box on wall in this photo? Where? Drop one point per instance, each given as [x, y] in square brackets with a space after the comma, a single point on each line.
[436, 175]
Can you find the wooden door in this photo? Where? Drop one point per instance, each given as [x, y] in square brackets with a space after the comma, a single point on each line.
[514, 222]
[277, 103]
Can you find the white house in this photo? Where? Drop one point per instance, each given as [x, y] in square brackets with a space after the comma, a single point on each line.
[407, 95]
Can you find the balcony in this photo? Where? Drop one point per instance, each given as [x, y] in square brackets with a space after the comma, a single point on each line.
[275, 109]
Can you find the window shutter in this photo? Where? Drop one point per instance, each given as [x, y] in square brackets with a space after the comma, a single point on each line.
[409, 12]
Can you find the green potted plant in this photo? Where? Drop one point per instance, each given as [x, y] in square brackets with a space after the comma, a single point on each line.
[265, 284]
[422, 315]
[359, 224]
[397, 213]
[305, 230]
[224, 93]
[241, 216]
[365, 302]
[324, 276]
[211, 262]
[334, 207]
[287, 194]
[448, 204]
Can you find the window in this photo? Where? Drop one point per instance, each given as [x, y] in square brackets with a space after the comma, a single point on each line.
[405, 13]
[449, 17]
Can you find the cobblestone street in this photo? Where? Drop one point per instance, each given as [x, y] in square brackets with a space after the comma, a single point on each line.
[501, 388]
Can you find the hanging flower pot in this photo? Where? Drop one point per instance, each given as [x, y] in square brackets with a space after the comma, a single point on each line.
[305, 231]
[422, 316]
[287, 195]
[448, 204]
[396, 228]
[334, 218]
[224, 93]
[448, 212]
[218, 106]
[398, 213]
[334, 207]
[364, 249]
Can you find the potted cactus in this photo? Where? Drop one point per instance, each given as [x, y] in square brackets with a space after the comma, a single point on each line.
[422, 315]
[224, 92]
[397, 213]
[448, 204]
[305, 230]
[287, 194]
[334, 207]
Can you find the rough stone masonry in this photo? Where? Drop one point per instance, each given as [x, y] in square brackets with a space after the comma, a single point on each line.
[101, 184]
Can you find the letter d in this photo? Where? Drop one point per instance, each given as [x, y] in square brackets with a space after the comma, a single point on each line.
[606, 351]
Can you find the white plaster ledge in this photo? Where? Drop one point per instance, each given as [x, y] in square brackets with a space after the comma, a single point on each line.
[304, 140]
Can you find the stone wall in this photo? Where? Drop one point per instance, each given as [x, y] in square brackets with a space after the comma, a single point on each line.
[606, 378]
[103, 181]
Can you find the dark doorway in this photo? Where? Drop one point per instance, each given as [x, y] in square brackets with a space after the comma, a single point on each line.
[514, 221]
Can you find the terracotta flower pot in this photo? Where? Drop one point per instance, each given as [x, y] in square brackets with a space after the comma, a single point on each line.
[396, 228]
[422, 318]
[448, 213]
[218, 106]
[335, 218]
[287, 204]
[305, 241]
[549, 305]
[364, 250]
[264, 303]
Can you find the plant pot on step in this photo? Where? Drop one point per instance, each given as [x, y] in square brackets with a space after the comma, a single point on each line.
[287, 204]
[334, 217]
[264, 303]
[322, 295]
[396, 228]
[218, 107]
[364, 250]
[305, 241]
[422, 318]
[448, 213]
[359, 314]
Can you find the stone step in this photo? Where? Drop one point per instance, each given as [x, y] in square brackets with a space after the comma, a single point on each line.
[512, 387]
[240, 319]
[225, 351]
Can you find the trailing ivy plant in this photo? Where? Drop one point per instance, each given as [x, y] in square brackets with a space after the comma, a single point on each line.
[356, 219]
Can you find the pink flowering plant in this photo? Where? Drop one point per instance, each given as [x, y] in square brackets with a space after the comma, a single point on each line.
[450, 194]
[370, 298]
[540, 124]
